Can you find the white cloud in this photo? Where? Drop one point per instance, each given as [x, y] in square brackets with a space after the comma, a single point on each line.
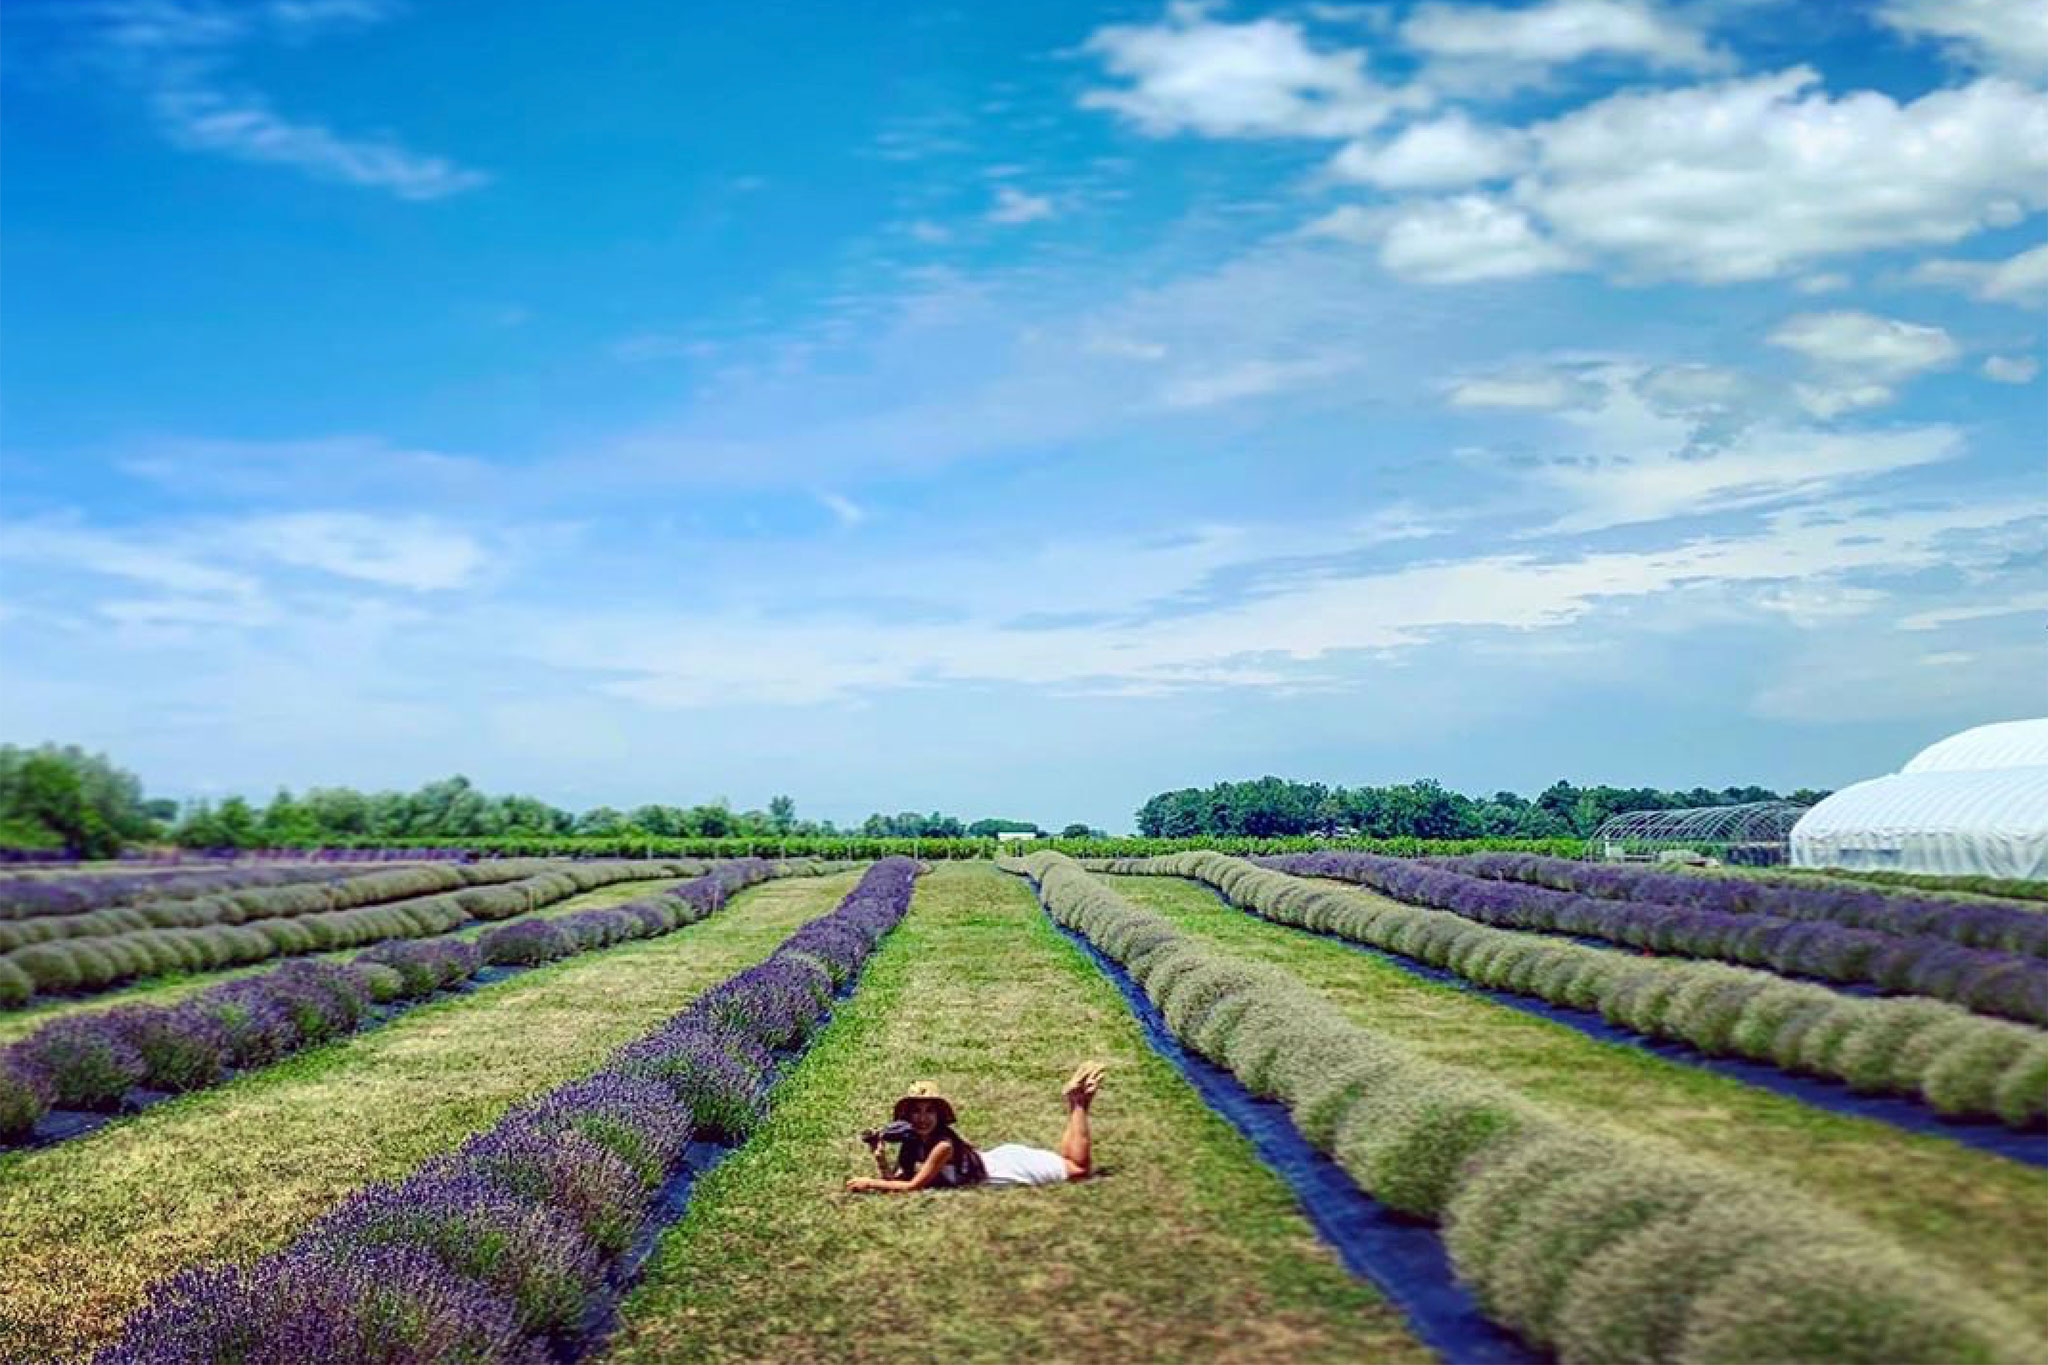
[1125, 348]
[2020, 605]
[1550, 389]
[1466, 238]
[2011, 369]
[1754, 177]
[176, 53]
[160, 563]
[1859, 357]
[849, 512]
[1883, 348]
[1443, 154]
[1258, 79]
[1283, 636]
[928, 232]
[1766, 463]
[2021, 279]
[2001, 35]
[1013, 205]
[1557, 32]
[1248, 379]
[1826, 282]
[246, 128]
[416, 553]
[1630, 444]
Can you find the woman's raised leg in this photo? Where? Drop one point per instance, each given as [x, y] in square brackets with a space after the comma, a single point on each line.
[1075, 1144]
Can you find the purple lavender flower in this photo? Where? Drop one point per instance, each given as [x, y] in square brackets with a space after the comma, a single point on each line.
[24, 1095]
[182, 1047]
[258, 1027]
[561, 1168]
[635, 1117]
[379, 1306]
[86, 1061]
[478, 1229]
[528, 942]
[716, 1071]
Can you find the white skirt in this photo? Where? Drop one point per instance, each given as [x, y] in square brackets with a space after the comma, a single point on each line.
[1015, 1164]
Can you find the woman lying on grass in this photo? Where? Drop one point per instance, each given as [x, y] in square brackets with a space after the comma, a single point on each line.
[933, 1154]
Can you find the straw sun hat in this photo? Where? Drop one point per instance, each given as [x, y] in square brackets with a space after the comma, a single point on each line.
[924, 1090]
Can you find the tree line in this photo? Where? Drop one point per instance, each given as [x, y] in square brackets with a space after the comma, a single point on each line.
[1273, 807]
[63, 799]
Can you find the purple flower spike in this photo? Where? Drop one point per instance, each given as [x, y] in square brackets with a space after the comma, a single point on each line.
[588, 1183]
[182, 1047]
[633, 1116]
[86, 1061]
[478, 1229]
[383, 1306]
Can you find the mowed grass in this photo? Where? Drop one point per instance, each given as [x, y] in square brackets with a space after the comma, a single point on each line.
[1985, 1216]
[168, 990]
[235, 1171]
[1186, 1249]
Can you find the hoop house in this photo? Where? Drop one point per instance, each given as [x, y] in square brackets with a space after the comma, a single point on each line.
[1755, 834]
[1974, 804]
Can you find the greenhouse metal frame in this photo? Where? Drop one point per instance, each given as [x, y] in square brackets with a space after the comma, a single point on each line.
[1755, 834]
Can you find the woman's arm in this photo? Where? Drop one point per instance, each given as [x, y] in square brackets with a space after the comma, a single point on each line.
[926, 1174]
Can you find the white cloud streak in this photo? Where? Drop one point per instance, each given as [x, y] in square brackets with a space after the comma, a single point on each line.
[177, 55]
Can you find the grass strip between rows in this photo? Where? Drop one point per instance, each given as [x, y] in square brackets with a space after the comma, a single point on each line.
[1184, 1247]
[1978, 1213]
[500, 1250]
[1963, 1065]
[1599, 1248]
[231, 1173]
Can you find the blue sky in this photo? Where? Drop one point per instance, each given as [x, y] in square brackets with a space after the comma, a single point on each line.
[1020, 408]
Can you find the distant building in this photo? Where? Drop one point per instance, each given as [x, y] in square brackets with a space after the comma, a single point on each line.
[1011, 836]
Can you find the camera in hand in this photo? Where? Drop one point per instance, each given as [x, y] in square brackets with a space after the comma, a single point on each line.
[894, 1131]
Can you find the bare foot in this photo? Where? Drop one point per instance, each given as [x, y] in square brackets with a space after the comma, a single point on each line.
[1080, 1090]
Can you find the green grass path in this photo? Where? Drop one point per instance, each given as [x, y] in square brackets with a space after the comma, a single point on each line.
[1985, 1216]
[232, 1172]
[168, 990]
[1186, 1249]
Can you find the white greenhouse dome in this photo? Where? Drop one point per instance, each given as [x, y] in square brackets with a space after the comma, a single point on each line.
[1975, 803]
[2008, 744]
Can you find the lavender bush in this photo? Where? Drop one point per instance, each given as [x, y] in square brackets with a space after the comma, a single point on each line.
[182, 1047]
[1974, 924]
[24, 1095]
[538, 1258]
[386, 1306]
[1989, 981]
[86, 1061]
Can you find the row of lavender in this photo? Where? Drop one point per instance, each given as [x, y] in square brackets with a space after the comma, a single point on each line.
[92, 1062]
[1595, 1246]
[1972, 923]
[243, 905]
[493, 1252]
[2013, 985]
[1960, 1063]
[295, 925]
[71, 893]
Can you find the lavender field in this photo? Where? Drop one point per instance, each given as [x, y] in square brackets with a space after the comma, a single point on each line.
[585, 1116]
